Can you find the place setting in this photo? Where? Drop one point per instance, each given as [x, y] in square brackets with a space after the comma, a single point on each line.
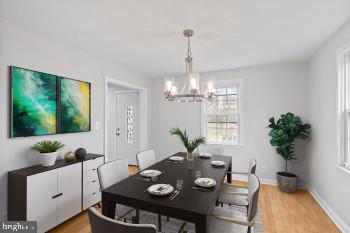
[175, 159]
[204, 184]
[204, 155]
[149, 175]
[218, 163]
[165, 190]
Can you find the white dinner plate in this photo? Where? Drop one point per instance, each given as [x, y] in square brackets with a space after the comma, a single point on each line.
[218, 163]
[205, 182]
[176, 158]
[150, 173]
[204, 155]
[161, 189]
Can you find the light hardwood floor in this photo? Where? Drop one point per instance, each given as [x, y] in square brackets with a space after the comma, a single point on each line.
[282, 213]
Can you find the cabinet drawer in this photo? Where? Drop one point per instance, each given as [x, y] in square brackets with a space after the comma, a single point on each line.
[92, 164]
[91, 194]
[92, 199]
[90, 177]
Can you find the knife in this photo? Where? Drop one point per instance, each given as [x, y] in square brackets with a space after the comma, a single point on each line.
[177, 193]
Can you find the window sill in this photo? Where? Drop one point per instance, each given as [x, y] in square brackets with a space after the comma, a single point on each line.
[343, 169]
[235, 145]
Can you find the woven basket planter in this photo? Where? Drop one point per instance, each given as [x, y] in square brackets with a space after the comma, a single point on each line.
[47, 159]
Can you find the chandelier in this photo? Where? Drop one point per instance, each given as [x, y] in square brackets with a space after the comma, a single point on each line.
[190, 91]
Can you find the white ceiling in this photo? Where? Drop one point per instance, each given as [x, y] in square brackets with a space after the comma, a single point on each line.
[146, 35]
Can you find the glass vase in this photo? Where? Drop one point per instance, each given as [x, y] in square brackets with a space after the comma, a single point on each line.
[190, 162]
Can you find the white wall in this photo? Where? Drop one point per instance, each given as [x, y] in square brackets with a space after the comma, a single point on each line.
[267, 91]
[328, 182]
[28, 48]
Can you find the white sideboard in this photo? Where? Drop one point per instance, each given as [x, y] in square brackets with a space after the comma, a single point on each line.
[52, 195]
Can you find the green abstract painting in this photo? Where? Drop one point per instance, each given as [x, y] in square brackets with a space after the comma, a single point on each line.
[74, 106]
[34, 103]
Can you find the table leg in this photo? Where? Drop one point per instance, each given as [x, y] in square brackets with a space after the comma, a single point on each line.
[108, 207]
[202, 225]
[229, 175]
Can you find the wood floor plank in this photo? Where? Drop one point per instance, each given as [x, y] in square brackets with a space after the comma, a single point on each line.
[281, 213]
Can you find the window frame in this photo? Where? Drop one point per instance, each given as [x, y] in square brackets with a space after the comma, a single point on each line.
[343, 122]
[225, 84]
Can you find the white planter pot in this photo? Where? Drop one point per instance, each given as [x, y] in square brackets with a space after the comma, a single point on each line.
[47, 159]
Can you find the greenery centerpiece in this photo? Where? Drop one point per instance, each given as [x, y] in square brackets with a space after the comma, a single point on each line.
[48, 151]
[283, 133]
[190, 145]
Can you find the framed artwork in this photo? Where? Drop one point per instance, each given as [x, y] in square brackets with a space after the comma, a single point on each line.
[74, 106]
[33, 97]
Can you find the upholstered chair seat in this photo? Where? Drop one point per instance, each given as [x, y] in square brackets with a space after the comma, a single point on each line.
[238, 200]
[226, 220]
[217, 225]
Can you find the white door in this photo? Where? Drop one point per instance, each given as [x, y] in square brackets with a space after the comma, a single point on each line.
[41, 201]
[69, 185]
[127, 126]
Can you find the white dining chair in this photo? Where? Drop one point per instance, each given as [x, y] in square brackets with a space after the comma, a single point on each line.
[102, 224]
[234, 194]
[225, 220]
[211, 149]
[145, 159]
[111, 173]
[235, 188]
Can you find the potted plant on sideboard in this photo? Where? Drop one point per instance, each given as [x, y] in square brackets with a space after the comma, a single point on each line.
[283, 133]
[47, 151]
[190, 145]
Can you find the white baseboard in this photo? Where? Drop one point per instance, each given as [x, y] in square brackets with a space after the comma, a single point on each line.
[262, 180]
[343, 227]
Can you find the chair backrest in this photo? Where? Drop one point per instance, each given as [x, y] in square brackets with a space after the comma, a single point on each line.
[252, 167]
[102, 224]
[145, 159]
[253, 196]
[112, 172]
[210, 149]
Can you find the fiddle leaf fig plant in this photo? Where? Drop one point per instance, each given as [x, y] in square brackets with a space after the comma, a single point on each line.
[283, 133]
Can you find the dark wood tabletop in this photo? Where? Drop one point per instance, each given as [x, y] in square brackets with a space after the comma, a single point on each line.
[190, 205]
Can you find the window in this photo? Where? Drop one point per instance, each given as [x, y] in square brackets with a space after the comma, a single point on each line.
[220, 117]
[344, 107]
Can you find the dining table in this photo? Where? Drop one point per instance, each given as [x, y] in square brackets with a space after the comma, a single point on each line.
[190, 205]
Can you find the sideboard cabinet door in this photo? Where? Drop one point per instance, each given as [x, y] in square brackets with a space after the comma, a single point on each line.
[70, 185]
[41, 204]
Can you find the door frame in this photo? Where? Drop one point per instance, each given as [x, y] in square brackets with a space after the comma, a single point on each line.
[143, 112]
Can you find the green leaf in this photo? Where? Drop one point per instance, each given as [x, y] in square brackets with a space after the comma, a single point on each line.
[190, 145]
[47, 146]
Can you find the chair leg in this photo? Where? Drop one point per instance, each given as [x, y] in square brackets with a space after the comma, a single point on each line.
[222, 204]
[136, 218]
[167, 218]
[183, 228]
[99, 205]
[159, 223]
[249, 229]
